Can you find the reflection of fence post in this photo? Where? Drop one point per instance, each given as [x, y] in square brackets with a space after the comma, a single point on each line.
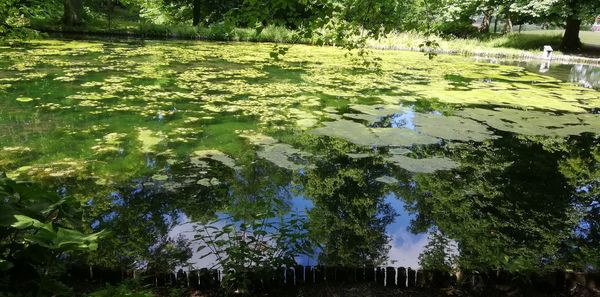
[593, 281]
[421, 278]
[347, 275]
[290, 277]
[401, 282]
[574, 279]
[310, 275]
[380, 276]
[369, 274]
[329, 274]
[286, 277]
[319, 274]
[204, 278]
[299, 275]
[390, 277]
[411, 276]
[194, 278]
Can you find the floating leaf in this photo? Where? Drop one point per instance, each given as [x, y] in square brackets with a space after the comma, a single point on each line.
[387, 180]
[24, 99]
[214, 155]
[426, 165]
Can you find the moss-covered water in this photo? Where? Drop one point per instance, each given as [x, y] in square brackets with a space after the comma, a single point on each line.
[502, 161]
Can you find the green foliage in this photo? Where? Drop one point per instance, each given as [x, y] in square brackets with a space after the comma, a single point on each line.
[124, 289]
[581, 167]
[439, 253]
[350, 214]
[38, 229]
[497, 212]
[527, 41]
[14, 19]
[146, 244]
[261, 243]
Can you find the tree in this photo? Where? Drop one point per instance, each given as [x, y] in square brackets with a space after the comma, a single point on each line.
[568, 12]
[73, 12]
[15, 17]
[175, 11]
[196, 12]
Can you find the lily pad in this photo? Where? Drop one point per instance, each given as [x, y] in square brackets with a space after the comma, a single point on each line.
[160, 177]
[452, 128]
[208, 182]
[149, 139]
[24, 99]
[280, 154]
[361, 135]
[214, 155]
[531, 122]
[284, 156]
[387, 180]
[426, 165]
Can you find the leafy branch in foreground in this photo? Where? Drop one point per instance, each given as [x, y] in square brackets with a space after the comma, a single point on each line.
[251, 247]
[39, 231]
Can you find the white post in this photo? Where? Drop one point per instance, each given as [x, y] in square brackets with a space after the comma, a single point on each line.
[547, 52]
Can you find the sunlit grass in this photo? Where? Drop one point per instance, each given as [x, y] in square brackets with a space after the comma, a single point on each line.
[587, 37]
[511, 44]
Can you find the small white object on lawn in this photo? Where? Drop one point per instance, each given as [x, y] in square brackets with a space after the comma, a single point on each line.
[547, 52]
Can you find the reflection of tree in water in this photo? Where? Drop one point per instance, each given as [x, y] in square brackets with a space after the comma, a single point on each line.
[585, 75]
[139, 218]
[350, 215]
[513, 204]
[142, 215]
[581, 167]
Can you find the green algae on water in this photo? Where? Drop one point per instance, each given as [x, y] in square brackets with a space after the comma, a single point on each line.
[113, 111]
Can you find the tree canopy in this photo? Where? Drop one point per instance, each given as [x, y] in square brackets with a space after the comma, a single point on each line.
[341, 22]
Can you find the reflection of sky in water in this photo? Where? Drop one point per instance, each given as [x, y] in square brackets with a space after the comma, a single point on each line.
[403, 120]
[405, 246]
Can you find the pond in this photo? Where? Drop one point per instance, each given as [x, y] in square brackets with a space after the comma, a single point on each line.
[310, 157]
[585, 75]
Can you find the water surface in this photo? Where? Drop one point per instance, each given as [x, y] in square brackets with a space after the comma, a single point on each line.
[313, 157]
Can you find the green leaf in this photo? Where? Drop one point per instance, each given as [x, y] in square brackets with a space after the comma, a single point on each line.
[5, 265]
[24, 222]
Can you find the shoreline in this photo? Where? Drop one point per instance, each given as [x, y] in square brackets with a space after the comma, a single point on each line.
[493, 53]
[522, 55]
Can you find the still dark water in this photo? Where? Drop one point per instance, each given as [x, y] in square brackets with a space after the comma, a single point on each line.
[218, 147]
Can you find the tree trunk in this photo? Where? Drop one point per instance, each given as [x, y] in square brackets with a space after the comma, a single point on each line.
[570, 41]
[508, 26]
[196, 12]
[73, 12]
[111, 8]
[485, 23]
[496, 24]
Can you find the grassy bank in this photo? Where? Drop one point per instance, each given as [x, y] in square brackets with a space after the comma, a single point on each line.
[526, 45]
[147, 30]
